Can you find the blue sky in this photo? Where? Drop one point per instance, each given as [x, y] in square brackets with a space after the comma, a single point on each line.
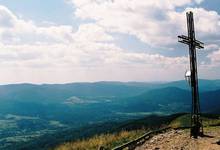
[56, 11]
[59, 41]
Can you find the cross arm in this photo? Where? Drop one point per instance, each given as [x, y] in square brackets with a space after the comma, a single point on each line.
[183, 39]
[186, 40]
[199, 44]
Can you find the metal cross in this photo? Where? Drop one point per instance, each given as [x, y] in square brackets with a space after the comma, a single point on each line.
[190, 40]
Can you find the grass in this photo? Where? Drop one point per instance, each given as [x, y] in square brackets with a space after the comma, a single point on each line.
[109, 141]
[184, 121]
[210, 122]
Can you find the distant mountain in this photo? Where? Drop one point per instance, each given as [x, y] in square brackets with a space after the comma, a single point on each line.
[59, 92]
[172, 100]
[83, 100]
[204, 85]
[50, 93]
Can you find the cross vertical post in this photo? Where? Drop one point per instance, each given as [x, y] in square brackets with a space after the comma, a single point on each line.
[190, 40]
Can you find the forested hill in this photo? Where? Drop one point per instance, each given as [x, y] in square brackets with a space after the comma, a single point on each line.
[31, 111]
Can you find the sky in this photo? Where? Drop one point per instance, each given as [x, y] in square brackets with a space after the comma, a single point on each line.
[61, 41]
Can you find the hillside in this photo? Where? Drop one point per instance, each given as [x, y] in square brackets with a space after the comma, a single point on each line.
[110, 128]
[31, 111]
[130, 132]
[96, 142]
[171, 100]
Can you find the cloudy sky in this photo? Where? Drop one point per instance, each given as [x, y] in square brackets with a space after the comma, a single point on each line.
[59, 41]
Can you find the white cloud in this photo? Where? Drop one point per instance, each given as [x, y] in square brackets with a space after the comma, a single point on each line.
[199, 1]
[211, 47]
[14, 30]
[215, 58]
[91, 32]
[207, 22]
[92, 62]
[55, 45]
[6, 18]
[61, 53]
[155, 22]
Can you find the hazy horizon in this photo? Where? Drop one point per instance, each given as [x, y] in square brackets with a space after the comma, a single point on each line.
[99, 81]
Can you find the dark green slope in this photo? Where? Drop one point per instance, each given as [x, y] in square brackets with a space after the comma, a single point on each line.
[168, 100]
[151, 122]
[50, 140]
[172, 100]
[210, 101]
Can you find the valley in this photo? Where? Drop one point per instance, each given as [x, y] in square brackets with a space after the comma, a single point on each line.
[35, 114]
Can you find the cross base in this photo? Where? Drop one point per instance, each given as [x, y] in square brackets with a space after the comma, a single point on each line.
[196, 127]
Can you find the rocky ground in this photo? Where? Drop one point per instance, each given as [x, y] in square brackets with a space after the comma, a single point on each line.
[180, 140]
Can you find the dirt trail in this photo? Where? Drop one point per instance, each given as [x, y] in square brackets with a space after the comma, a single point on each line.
[180, 140]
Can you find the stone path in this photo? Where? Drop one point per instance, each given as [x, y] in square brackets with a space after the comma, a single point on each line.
[180, 140]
